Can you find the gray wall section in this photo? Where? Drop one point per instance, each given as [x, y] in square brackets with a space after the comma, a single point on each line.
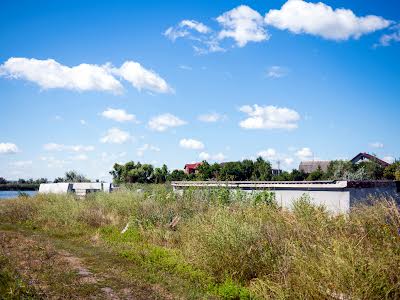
[370, 195]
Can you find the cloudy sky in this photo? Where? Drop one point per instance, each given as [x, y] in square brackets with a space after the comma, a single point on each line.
[84, 84]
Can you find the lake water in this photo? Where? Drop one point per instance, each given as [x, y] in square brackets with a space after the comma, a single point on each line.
[14, 194]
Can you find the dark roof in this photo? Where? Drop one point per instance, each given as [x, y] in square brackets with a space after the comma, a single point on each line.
[363, 155]
[312, 165]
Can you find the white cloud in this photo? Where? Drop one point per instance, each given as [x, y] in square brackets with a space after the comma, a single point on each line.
[69, 148]
[52, 162]
[320, 19]
[288, 161]
[141, 78]
[165, 121]
[376, 145]
[211, 117]
[389, 159]
[185, 67]
[267, 154]
[146, 147]
[50, 74]
[116, 136]
[119, 115]
[21, 163]
[215, 157]
[304, 153]
[269, 117]
[204, 156]
[8, 148]
[107, 157]
[191, 144]
[243, 24]
[80, 157]
[184, 28]
[83, 122]
[277, 72]
[389, 38]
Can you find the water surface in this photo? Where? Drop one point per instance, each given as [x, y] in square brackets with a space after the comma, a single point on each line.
[14, 194]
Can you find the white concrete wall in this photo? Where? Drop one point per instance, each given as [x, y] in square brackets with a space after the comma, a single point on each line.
[55, 188]
[336, 202]
[87, 186]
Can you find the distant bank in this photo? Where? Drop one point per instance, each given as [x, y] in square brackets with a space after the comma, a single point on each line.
[19, 187]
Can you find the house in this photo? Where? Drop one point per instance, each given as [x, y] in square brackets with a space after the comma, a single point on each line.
[311, 166]
[276, 172]
[191, 168]
[365, 156]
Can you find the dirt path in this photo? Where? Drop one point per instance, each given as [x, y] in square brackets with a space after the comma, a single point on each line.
[58, 269]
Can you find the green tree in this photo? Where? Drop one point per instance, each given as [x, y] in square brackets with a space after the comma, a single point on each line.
[297, 175]
[177, 175]
[318, 174]
[373, 170]
[3, 180]
[262, 170]
[247, 169]
[390, 171]
[161, 174]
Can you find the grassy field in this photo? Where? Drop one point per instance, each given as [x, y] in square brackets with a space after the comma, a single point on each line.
[153, 244]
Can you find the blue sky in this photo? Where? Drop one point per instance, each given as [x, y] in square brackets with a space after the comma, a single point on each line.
[84, 84]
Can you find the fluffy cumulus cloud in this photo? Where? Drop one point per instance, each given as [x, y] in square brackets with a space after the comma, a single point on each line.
[165, 121]
[243, 24]
[211, 117]
[8, 148]
[141, 78]
[300, 16]
[214, 157]
[304, 153]
[50, 74]
[119, 115]
[277, 72]
[67, 148]
[269, 117]
[184, 29]
[191, 144]
[116, 136]
[145, 148]
[268, 154]
[377, 145]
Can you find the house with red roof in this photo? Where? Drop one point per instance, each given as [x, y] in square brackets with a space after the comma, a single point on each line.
[191, 168]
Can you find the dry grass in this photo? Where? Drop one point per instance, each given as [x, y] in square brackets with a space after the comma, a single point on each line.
[249, 248]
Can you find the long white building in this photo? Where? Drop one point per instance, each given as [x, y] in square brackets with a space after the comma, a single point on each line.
[336, 196]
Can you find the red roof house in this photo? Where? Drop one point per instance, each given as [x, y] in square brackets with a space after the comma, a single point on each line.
[191, 168]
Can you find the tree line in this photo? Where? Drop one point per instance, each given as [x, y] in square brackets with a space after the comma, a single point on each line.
[249, 170]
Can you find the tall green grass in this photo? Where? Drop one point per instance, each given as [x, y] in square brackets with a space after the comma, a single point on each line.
[236, 246]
